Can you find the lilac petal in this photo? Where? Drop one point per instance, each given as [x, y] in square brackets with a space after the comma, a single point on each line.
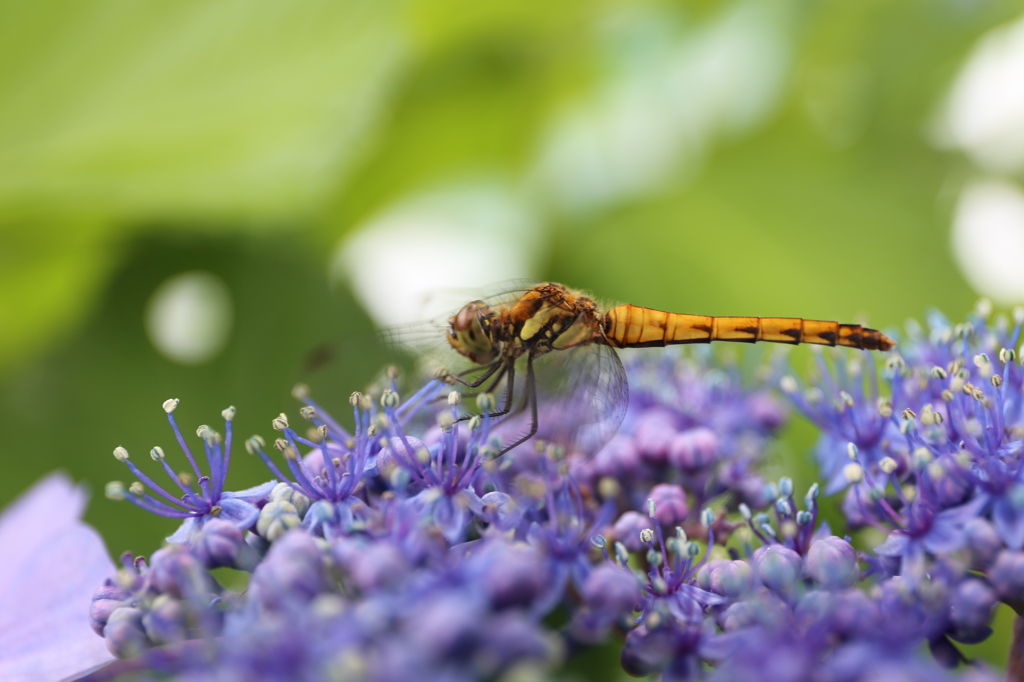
[1009, 523]
[894, 545]
[945, 537]
[52, 564]
[255, 494]
[966, 511]
[702, 596]
[450, 518]
[238, 512]
[186, 530]
[824, 530]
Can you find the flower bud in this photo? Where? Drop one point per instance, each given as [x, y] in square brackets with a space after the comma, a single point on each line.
[276, 518]
[105, 601]
[970, 608]
[1007, 574]
[501, 510]
[287, 493]
[292, 571]
[514, 576]
[176, 571]
[166, 621]
[627, 529]
[777, 567]
[611, 590]
[693, 449]
[832, 563]
[732, 578]
[670, 504]
[982, 541]
[125, 635]
[221, 543]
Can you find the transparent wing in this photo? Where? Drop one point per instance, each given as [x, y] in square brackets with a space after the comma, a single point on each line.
[582, 395]
[428, 342]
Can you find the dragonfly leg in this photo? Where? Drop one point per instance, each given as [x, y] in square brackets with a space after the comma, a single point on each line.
[490, 370]
[531, 398]
[510, 370]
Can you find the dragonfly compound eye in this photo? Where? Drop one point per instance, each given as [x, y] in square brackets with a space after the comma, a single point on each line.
[470, 333]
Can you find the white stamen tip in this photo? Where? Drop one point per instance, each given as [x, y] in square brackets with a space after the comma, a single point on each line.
[120, 454]
[853, 472]
[170, 404]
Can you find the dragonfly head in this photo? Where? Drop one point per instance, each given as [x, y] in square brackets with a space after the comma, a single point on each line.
[471, 333]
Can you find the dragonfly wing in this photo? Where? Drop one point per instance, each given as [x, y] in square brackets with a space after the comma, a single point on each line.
[582, 395]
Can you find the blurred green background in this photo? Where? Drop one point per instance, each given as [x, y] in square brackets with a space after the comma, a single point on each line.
[195, 195]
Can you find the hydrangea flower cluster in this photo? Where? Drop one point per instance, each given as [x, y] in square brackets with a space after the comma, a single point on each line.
[403, 548]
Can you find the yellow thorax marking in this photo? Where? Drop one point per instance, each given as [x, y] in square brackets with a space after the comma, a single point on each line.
[580, 331]
[537, 321]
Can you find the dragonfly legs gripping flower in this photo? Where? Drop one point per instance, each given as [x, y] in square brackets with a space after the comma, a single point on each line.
[495, 372]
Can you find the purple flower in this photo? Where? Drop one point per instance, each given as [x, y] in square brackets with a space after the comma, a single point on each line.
[52, 564]
[194, 506]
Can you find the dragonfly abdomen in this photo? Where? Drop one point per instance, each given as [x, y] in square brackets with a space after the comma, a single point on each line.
[630, 326]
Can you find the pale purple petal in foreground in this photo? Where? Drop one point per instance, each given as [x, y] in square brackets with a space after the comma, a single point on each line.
[51, 564]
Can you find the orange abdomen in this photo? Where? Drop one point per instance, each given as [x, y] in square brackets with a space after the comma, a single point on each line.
[630, 326]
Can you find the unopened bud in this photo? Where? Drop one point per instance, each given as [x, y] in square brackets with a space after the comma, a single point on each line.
[884, 409]
[114, 490]
[485, 403]
[254, 444]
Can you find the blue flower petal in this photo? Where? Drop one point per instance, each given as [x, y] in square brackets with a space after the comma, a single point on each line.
[1009, 523]
[186, 530]
[894, 545]
[255, 494]
[238, 512]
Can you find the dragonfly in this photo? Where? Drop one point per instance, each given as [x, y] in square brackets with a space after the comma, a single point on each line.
[550, 353]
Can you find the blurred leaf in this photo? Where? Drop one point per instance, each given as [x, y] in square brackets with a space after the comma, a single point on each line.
[188, 108]
[48, 279]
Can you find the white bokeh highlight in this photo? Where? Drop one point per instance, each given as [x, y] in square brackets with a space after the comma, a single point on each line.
[457, 239]
[672, 90]
[988, 239]
[189, 317]
[984, 113]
